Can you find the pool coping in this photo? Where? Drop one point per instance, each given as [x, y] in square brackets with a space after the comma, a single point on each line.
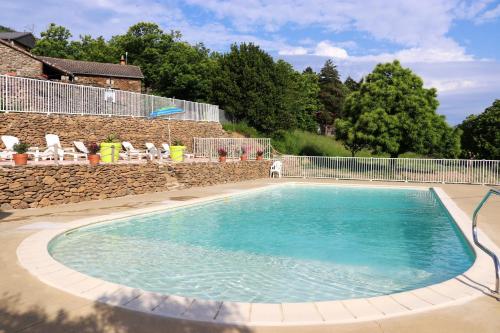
[478, 280]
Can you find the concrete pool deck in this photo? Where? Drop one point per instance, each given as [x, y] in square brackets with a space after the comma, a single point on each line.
[30, 305]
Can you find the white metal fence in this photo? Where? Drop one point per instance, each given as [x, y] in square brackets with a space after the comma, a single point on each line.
[394, 169]
[39, 96]
[208, 147]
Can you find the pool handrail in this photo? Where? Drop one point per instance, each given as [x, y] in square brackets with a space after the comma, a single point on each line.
[496, 262]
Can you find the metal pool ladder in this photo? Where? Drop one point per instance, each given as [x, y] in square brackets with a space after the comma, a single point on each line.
[481, 246]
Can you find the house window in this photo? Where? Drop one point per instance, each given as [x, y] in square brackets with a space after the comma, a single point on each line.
[110, 82]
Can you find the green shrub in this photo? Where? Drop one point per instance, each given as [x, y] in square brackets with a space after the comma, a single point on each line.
[243, 129]
[411, 155]
[21, 147]
[112, 138]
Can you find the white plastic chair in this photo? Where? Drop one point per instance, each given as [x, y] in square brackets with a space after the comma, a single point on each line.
[132, 152]
[9, 141]
[276, 168]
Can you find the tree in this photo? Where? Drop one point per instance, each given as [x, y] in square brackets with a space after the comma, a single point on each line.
[5, 29]
[352, 85]
[309, 105]
[93, 49]
[393, 113]
[332, 94]
[251, 87]
[54, 42]
[147, 46]
[481, 134]
[308, 70]
[187, 72]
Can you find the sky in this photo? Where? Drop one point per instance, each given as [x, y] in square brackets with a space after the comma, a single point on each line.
[454, 45]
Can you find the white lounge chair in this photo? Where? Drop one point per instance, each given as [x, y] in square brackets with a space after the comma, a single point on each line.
[80, 146]
[276, 168]
[9, 141]
[132, 152]
[153, 151]
[166, 149]
[54, 148]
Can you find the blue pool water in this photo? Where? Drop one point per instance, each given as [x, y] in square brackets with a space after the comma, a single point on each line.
[291, 243]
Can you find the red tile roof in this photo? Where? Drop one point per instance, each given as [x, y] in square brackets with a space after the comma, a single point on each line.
[76, 67]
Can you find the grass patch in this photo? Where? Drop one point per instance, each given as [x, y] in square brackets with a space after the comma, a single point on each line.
[243, 129]
[308, 144]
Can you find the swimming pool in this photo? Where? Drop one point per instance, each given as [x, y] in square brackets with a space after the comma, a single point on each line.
[291, 243]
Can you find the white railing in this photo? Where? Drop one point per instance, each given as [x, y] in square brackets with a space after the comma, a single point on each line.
[40, 96]
[208, 147]
[393, 169]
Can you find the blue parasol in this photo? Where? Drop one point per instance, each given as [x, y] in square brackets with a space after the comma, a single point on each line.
[165, 111]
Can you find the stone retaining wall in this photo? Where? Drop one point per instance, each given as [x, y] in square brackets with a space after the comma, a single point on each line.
[39, 186]
[31, 128]
[208, 173]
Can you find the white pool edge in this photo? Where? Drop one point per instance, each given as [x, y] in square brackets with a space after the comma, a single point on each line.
[33, 255]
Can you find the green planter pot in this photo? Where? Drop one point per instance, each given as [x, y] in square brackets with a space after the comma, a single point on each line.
[106, 149]
[177, 153]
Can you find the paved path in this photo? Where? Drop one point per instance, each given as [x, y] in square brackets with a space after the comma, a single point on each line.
[28, 305]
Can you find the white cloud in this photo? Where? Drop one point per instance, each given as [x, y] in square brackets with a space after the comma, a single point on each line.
[421, 23]
[445, 85]
[418, 55]
[469, 11]
[293, 51]
[327, 49]
[489, 15]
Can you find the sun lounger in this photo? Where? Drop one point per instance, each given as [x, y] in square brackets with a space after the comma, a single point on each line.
[54, 149]
[131, 152]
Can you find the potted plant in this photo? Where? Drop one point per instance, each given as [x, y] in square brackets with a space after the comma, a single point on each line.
[260, 154]
[177, 151]
[93, 149]
[20, 157]
[222, 154]
[110, 149]
[244, 155]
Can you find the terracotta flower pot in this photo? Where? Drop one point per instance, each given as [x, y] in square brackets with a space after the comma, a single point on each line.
[20, 159]
[244, 157]
[259, 158]
[222, 159]
[94, 159]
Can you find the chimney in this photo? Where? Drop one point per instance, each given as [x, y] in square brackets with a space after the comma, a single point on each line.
[122, 60]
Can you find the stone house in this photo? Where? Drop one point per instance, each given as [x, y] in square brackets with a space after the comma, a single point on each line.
[106, 75]
[23, 40]
[16, 60]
